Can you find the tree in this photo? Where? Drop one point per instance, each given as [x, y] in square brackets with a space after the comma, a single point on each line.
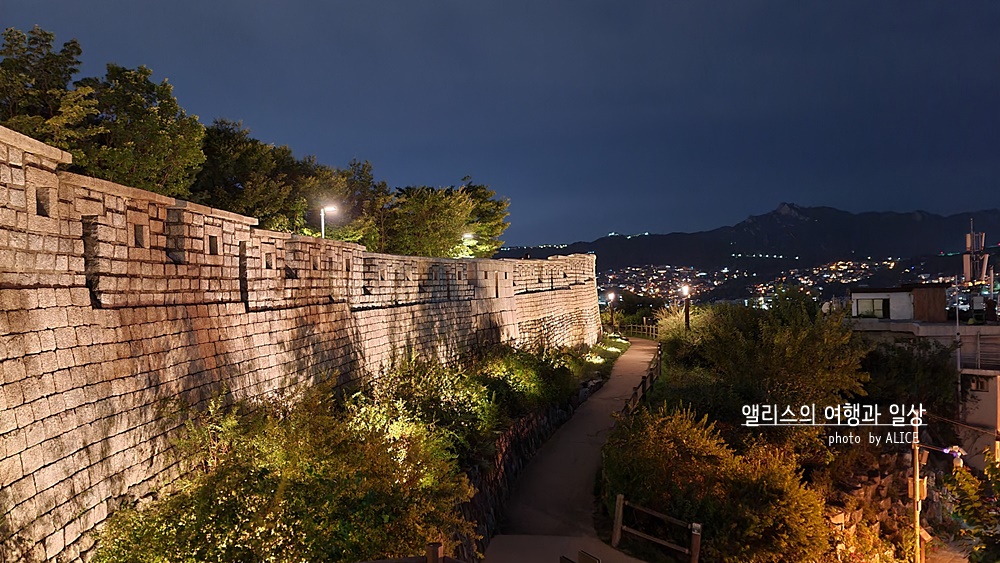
[35, 98]
[365, 210]
[148, 141]
[34, 78]
[486, 221]
[789, 354]
[911, 372]
[975, 502]
[425, 221]
[244, 175]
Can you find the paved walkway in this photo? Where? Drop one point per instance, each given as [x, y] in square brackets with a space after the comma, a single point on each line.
[551, 511]
[956, 552]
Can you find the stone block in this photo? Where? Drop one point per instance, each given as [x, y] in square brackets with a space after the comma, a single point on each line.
[16, 178]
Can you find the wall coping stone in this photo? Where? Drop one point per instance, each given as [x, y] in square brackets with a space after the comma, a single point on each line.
[33, 146]
[112, 188]
[328, 242]
[270, 234]
[211, 211]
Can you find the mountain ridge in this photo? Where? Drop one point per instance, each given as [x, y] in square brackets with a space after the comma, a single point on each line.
[788, 236]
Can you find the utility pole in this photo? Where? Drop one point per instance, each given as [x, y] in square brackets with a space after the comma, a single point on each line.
[916, 494]
[958, 352]
[686, 290]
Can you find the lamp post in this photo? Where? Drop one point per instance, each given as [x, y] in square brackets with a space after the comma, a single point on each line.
[322, 219]
[611, 308]
[686, 291]
[916, 494]
[918, 489]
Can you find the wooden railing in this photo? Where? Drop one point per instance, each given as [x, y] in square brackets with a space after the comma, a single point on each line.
[652, 374]
[650, 331]
[694, 543]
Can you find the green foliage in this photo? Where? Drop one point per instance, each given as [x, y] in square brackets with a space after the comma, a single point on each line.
[291, 485]
[125, 128]
[35, 98]
[244, 175]
[789, 354]
[975, 500]
[753, 507]
[461, 407]
[122, 127]
[486, 222]
[34, 78]
[365, 207]
[376, 477]
[911, 372]
[425, 221]
[147, 140]
[461, 222]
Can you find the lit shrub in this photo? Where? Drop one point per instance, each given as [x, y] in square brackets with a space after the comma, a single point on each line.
[753, 507]
[294, 486]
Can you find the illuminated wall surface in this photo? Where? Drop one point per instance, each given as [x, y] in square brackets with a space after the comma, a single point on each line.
[113, 300]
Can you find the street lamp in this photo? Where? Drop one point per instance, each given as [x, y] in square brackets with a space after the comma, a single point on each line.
[686, 291]
[917, 484]
[322, 219]
[611, 307]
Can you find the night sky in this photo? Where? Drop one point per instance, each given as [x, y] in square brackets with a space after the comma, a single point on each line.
[591, 117]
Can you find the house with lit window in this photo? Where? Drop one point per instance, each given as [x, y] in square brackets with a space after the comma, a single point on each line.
[919, 302]
[920, 311]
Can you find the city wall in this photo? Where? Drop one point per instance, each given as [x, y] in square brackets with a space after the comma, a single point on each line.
[115, 301]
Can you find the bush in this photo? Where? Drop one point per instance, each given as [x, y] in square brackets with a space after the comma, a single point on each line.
[753, 507]
[291, 485]
[375, 476]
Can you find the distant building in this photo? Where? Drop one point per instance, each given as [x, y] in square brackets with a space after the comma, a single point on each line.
[918, 302]
[920, 311]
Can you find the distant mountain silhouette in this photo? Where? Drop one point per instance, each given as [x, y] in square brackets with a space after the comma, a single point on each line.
[815, 235]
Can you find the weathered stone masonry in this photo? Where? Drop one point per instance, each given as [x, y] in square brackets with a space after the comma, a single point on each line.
[113, 300]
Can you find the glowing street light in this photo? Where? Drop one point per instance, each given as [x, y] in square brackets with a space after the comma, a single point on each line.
[322, 219]
[611, 307]
[686, 291]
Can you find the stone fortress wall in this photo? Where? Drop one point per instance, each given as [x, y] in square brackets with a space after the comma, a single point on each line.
[114, 300]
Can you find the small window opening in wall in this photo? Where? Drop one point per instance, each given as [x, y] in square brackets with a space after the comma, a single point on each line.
[347, 264]
[213, 245]
[44, 202]
[980, 384]
[269, 261]
[315, 263]
[486, 275]
[139, 234]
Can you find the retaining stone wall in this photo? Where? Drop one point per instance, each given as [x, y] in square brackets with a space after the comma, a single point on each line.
[115, 301]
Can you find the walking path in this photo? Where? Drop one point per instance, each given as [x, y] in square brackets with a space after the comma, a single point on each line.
[551, 511]
[955, 552]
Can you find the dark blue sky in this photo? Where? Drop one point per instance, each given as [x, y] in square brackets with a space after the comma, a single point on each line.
[592, 117]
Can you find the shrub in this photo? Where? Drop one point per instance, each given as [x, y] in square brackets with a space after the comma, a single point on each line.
[753, 507]
[293, 485]
[375, 476]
